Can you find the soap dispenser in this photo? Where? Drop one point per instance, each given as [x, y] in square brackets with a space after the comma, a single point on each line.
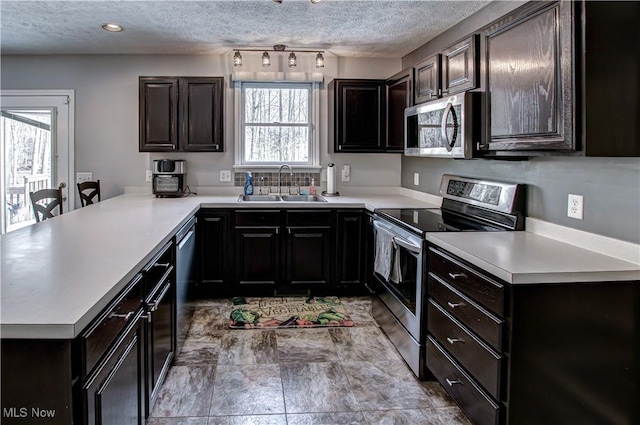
[248, 184]
[312, 188]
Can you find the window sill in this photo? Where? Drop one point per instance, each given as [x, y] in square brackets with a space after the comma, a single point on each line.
[275, 168]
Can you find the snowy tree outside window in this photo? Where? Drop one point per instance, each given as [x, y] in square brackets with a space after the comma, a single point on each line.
[276, 123]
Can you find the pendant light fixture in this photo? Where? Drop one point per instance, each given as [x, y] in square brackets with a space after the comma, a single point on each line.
[292, 60]
[237, 59]
[266, 60]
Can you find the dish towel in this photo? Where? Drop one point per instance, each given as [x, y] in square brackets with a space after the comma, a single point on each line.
[384, 251]
[395, 276]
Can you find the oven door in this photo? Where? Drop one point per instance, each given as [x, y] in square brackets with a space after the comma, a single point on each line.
[402, 291]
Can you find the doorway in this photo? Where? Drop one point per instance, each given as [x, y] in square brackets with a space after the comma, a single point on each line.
[36, 151]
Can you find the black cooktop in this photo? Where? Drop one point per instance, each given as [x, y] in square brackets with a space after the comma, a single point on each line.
[425, 220]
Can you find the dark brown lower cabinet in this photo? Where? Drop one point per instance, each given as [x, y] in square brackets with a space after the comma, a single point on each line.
[257, 255]
[114, 393]
[215, 259]
[531, 354]
[308, 256]
[349, 253]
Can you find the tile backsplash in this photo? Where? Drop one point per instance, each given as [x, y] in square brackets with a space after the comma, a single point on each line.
[271, 179]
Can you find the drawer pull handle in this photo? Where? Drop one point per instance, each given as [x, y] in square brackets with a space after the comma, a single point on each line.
[454, 340]
[455, 305]
[122, 316]
[456, 275]
[164, 265]
[453, 382]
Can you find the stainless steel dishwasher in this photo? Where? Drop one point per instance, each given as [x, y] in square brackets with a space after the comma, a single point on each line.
[185, 278]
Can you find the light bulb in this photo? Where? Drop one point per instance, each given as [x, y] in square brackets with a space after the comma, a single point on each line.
[266, 60]
[293, 61]
[237, 59]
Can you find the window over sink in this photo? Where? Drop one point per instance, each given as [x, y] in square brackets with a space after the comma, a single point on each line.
[276, 124]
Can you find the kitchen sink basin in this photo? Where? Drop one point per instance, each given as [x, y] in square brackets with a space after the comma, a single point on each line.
[303, 198]
[259, 198]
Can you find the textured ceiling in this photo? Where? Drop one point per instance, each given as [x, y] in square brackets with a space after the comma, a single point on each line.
[366, 28]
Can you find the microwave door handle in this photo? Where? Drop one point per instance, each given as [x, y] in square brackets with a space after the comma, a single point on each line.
[443, 127]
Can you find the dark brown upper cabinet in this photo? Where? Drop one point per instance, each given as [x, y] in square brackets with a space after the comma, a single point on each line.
[460, 66]
[181, 114]
[529, 79]
[426, 75]
[399, 97]
[454, 70]
[357, 117]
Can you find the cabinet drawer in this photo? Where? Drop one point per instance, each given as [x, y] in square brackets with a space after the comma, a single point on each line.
[471, 399]
[158, 267]
[483, 323]
[487, 292]
[309, 218]
[258, 218]
[97, 339]
[482, 363]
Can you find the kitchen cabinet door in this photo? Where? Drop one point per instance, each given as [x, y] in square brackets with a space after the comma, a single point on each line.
[216, 250]
[399, 97]
[357, 115]
[158, 114]
[257, 255]
[459, 70]
[201, 102]
[308, 255]
[349, 252]
[114, 394]
[426, 76]
[529, 99]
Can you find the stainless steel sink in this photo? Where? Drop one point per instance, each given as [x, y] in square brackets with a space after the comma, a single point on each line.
[303, 198]
[259, 198]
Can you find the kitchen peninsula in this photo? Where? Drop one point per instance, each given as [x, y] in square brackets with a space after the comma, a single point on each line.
[60, 276]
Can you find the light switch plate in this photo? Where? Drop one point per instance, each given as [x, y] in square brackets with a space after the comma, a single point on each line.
[225, 175]
[148, 176]
[416, 179]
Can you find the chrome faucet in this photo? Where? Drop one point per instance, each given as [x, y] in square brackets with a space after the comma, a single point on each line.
[280, 176]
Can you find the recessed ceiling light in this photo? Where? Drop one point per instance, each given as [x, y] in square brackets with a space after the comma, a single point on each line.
[112, 27]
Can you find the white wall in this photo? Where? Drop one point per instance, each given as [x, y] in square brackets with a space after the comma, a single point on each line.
[106, 111]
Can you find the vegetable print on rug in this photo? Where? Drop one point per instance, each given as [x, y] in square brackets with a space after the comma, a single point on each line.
[288, 312]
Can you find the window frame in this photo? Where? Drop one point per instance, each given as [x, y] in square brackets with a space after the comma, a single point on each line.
[313, 163]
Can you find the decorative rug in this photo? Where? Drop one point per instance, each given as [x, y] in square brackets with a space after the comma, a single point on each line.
[288, 312]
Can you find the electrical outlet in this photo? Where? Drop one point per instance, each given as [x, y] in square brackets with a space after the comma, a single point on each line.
[84, 177]
[149, 176]
[575, 206]
[416, 179]
[225, 175]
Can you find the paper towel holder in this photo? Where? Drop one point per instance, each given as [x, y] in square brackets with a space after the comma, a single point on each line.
[325, 192]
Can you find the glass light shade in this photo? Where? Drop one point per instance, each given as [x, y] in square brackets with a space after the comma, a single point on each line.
[319, 61]
[237, 59]
[266, 60]
[293, 61]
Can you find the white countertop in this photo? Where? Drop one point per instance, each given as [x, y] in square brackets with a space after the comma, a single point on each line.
[56, 276]
[523, 257]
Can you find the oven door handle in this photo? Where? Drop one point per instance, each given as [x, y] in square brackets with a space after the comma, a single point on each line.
[401, 241]
[407, 245]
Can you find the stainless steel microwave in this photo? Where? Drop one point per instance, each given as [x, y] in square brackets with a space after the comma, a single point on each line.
[445, 128]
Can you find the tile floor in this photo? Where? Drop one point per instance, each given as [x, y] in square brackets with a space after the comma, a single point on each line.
[328, 376]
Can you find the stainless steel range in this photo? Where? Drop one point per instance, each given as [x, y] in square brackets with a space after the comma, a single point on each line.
[399, 304]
